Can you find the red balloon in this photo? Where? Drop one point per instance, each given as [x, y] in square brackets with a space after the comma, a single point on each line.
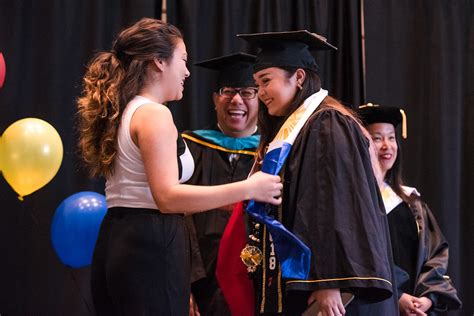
[3, 70]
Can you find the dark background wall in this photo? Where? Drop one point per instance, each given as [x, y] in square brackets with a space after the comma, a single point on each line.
[419, 56]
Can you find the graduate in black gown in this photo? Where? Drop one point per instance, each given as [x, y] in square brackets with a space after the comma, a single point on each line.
[419, 248]
[223, 153]
[331, 201]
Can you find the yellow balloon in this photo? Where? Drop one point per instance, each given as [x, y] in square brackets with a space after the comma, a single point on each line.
[32, 152]
[1, 154]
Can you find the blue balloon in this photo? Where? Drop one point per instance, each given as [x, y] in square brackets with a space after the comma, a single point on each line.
[75, 227]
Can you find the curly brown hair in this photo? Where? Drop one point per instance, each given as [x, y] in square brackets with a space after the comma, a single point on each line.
[111, 80]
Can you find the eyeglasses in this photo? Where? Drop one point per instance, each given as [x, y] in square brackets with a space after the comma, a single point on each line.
[245, 93]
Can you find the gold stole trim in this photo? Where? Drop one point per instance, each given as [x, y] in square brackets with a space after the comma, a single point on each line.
[194, 139]
[339, 279]
[264, 268]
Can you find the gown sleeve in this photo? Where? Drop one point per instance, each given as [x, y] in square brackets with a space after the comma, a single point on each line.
[198, 270]
[335, 207]
[432, 281]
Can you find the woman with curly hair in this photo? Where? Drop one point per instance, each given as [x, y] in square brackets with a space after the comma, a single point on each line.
[141, 259]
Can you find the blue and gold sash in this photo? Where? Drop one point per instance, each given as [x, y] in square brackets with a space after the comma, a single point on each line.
[293, 254]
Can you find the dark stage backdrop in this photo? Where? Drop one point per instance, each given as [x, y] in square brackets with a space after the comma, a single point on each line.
[209, 27]
[424, 67]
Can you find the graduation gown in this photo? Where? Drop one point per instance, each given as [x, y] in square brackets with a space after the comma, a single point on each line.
[331, 201]
[421, 250]
[214, 164]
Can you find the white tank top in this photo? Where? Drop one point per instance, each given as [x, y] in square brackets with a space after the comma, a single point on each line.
[128, 186]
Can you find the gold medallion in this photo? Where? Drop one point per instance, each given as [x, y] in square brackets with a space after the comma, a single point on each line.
[251, 256]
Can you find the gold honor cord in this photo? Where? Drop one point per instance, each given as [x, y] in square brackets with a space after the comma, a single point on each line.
[339, 279]
[262, 303]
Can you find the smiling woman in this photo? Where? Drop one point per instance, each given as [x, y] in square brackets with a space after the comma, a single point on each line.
[175, 72]
[419, 248]
[383, 135]
[127, 134]
[332, 236]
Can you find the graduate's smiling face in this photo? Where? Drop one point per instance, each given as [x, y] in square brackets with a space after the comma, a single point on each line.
[236, 110]
[276, 89]
[383, 135]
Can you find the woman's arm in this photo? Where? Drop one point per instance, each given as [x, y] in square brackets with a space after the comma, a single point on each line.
[153, 130]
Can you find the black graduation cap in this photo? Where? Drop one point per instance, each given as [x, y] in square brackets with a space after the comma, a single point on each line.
[287, 49]
[235, 70]
[373, 113]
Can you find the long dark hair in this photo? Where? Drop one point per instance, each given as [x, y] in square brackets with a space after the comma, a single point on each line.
[112, 79]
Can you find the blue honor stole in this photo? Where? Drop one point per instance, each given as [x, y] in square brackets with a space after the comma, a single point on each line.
[293, 254]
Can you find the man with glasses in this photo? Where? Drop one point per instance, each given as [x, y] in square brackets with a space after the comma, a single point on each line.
[223, 153]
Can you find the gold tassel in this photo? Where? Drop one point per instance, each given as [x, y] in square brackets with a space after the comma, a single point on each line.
[404, 124]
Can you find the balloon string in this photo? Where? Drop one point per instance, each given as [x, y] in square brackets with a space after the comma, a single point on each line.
[32, 215]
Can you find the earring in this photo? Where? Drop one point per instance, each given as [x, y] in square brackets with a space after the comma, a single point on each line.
[300, 86]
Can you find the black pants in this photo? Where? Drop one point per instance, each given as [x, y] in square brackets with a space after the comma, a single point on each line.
[141, 264]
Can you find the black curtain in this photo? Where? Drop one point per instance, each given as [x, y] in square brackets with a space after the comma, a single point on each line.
[210, 26]
[420, 57]
[46, 45]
